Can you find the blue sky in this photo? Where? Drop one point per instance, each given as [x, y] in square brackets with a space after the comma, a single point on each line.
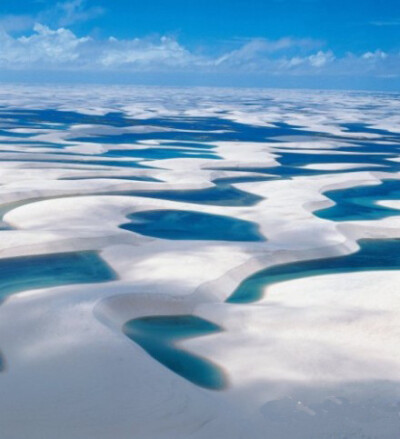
[288, 43]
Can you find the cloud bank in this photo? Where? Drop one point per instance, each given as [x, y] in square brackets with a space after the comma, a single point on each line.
[62, 49]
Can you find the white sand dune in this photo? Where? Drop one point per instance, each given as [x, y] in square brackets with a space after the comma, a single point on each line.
[315, 358]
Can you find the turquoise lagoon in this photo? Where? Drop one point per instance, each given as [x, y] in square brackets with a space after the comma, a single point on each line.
[51, 270]
[372, 255]
[360, 203]
[180, 224]
[159, 336]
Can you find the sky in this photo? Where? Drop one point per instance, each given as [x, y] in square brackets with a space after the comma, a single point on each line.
[352, 44]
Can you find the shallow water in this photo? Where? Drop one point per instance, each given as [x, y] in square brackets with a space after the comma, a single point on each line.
[51, 270]
[159, 336]
[200, 129]
[179, 224]
[360, 203]
[34, 118]
[373, 255]
[86, 162]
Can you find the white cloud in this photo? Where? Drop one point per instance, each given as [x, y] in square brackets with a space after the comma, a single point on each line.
[61, 49]
[377, 55]
[321, 58]
[259, 47]
[45, 47]
[316, 61]
[146, 53]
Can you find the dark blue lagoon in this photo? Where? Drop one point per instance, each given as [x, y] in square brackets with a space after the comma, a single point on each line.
[372, 255]
[35, 118]
[359, 203]
[292, 163]
[88, 162]
[364, 128]
[297, 159]
[52, 270]
[201, 129]
[180, 224]
[159, 337]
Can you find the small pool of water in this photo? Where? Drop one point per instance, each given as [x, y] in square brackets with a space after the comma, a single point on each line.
[180, 224]
[373, 255]
[159, 336]
[88, 162]
[296, 159]
[52, 270]
[364, 128]
[35, 118]
[360, 203]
